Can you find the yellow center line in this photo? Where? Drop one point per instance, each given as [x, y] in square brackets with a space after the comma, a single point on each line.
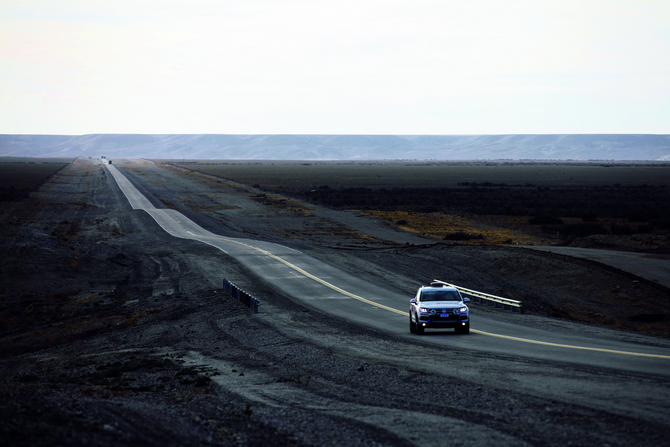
[559, 345]
[400, 312]
[319, 280]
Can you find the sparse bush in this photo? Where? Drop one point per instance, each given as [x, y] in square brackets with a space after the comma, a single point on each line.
[583, 229]
[589, 217]
[545, 220]
[621, 230]
[644, 229]
[462, 236]
[428, 209]
[401, 222]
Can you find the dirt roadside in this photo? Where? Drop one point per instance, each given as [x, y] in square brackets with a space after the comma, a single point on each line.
[114, 333]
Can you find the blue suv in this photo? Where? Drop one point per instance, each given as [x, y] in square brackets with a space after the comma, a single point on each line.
[439, 307]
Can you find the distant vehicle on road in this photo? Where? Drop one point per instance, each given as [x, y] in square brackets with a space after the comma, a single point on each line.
[439, 307]
[103, 160]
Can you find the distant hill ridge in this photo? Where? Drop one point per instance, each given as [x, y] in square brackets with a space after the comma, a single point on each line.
[343, 147]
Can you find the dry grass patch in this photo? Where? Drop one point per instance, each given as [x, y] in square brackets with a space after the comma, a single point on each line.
[451, 227]
[280, 202]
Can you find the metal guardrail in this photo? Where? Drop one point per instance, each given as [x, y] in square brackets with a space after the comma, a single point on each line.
[478, 297]
[485, 298]
[241, 296]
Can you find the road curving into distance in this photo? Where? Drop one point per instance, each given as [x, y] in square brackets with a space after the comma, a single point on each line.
[338, 293]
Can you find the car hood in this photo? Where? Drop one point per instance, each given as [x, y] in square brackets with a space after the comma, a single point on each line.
[443, 304]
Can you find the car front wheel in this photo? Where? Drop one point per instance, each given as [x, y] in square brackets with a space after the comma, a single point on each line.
[419, 328]
[412, 325]
[463, 329]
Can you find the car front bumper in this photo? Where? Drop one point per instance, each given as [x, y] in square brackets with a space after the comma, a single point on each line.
[431, 322]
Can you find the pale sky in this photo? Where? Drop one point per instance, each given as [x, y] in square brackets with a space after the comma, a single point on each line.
[334, 67]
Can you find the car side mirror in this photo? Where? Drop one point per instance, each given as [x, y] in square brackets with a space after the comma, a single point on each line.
[466, 300]
[413, 301]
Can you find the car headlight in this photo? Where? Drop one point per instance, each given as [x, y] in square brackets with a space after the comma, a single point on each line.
[463, 310]
[423, 309]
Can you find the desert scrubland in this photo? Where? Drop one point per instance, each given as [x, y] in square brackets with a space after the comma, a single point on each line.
[115, 333]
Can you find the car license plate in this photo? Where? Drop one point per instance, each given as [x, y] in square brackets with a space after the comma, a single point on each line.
[444, 314]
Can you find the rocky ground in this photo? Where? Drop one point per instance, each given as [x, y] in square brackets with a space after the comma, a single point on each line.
[114, 333]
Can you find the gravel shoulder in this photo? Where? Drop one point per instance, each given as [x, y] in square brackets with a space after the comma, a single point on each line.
[115, 333]
[653, 267]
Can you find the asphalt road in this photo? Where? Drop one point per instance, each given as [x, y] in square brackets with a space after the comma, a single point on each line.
[338, 293]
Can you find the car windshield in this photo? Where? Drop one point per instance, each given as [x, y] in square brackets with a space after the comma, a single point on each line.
[440, 295]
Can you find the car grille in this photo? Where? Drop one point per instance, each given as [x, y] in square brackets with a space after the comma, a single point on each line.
[436, 315]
